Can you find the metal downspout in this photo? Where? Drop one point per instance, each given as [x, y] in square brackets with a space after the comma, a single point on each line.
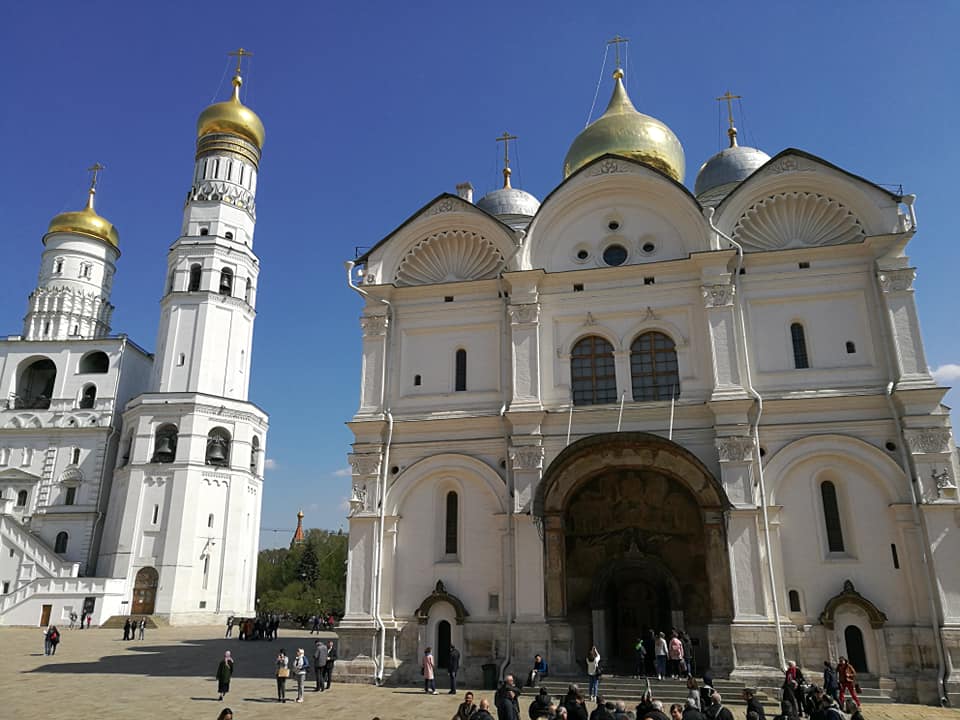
[380, 660]
[738, 305]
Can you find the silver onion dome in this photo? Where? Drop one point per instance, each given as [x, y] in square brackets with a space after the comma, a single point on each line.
[509, 201]
[721, 173]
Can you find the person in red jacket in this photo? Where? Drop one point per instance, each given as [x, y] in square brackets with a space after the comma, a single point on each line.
[847, 677]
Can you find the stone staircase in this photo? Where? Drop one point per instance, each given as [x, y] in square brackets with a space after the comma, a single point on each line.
[667, 691]
[117, 621]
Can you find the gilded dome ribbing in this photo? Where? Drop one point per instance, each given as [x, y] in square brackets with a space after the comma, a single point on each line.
[232, 117]
[621, 130]
[85, 222]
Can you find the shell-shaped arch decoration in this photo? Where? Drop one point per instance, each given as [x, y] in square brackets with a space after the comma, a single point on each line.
[797, 219]
[449, 256]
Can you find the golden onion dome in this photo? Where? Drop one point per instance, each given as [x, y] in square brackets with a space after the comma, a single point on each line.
[86, 222]
[621, 130]
[232, 117]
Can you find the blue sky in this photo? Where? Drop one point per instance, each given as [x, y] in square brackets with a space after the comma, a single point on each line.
[373, 108]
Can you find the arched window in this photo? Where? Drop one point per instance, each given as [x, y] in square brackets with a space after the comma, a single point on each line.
[592, 374]
[794, 598]
[218, 447]
[88, 397]
[653, 367]
[170, 281]
[127, 449]
[22, 498]
[95, 362]
[195, 271]
[856, 650]
[460, 367]
[254, 454]
[165, 443]
[60, 546]
[71, 496]
[831, 516]
[226, 281]
[36, 385]
[799, 340]
[450, 526]
[228, 235]
[246, 291]
[75, 457]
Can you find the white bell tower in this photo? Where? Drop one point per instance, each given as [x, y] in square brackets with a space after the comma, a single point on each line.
[188, 492]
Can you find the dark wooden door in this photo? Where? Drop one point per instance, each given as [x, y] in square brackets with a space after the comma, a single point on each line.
[145, 591]
[45, 615]
[443, 644]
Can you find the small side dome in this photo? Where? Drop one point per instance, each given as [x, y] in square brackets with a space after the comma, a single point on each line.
[85, 222]
[233, 118]
[509, 201]
[621, 130]
[510, 205]
[718, 175]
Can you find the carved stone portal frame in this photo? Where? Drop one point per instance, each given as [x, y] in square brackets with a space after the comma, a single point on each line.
[590, 457]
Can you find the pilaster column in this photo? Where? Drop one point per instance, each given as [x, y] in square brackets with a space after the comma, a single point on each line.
[555, 544]
[527, 464]
[932, 452]
[718, 304]
[897, 287]
[525, 342]
[736, 468]
[364, 495]
[373, 356]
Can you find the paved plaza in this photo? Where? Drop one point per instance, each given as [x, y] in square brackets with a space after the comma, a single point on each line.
[97, 675]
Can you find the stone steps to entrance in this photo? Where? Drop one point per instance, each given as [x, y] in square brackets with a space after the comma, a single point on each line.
[668, 691]
[117, 621]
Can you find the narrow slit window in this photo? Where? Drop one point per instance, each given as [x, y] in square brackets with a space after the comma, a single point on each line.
[195, 272]
[831, 516]
[851, 347]
[71, 497]
[156, 514]
[461, 370]
[799, 340]
[450, 533]
[895, 556]
[794, 597]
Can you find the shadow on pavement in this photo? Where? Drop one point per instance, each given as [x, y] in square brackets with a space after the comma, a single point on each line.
[189, 658]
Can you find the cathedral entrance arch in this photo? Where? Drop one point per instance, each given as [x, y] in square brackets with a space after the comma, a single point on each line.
[145, 591]
[634, 541]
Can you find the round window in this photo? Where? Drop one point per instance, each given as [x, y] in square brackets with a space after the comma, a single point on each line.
[582, 254]
[615, 255]
[649, 247]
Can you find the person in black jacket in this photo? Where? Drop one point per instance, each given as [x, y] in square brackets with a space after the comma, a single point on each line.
[575, 706]
[540, 707]
[453, 667]
[717, 711]
[467, 708]
[506, 700]
[483, 712]
[656, 713]
[690, 711]
[750, 696]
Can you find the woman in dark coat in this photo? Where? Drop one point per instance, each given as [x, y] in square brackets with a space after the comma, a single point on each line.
[224, 673]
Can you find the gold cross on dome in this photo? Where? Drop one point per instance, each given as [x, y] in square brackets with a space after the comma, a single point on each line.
[240, 55]
[729, 99]
[505, 139]
[95, 169]
[616, 42]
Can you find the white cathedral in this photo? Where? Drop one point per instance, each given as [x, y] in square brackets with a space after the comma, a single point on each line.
[130, 483]
[634, 407]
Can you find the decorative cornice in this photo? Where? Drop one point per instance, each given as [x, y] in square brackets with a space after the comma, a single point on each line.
[610, 167]
[364, 465]
[717, 295]
[526, 457]
[737, 448]
[928, 440]
[850, 596]
[224, 192]
[525, 313]
[897, 280]
[374, 324]
[790, 165]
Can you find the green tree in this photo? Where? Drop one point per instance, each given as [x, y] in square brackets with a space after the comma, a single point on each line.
[305, 579]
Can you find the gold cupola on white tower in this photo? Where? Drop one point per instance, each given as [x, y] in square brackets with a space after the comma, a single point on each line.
[72, 298]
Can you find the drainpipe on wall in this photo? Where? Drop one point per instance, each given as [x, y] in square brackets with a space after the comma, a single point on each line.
[381, 639]
[738, 305]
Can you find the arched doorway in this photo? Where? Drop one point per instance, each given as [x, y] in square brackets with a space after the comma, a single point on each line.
[634, 541]
[442, 649]
[145, 591]
[856, 650]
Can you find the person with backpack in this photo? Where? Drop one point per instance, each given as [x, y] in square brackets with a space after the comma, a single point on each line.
[54, 637]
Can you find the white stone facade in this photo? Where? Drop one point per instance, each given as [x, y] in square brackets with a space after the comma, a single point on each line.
[132, 483]
[764, 575]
